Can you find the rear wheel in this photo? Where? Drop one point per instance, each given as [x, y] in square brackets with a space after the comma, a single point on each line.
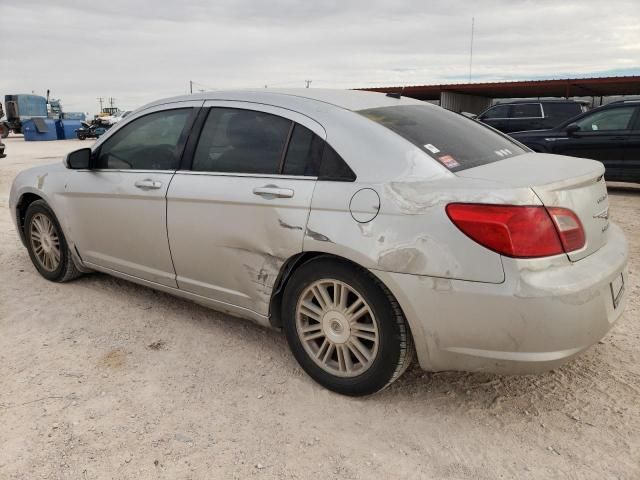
[46, 244]
[345, 328]
[4, 131]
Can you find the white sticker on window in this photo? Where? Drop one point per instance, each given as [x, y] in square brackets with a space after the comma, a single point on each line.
[431, 148]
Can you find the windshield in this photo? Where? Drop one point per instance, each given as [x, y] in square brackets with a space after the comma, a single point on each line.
[455, 141]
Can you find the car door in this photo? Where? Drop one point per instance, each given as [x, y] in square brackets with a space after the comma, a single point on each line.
[629, 169]
[497, 117]
[117, 210]
[236, 215]
[525, 116]
[602, 135]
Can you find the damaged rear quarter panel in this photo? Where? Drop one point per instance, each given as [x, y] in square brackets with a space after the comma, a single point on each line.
[412, 233]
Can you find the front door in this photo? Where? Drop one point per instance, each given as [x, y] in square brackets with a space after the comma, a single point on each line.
[603, 135]
[237, 216]
[117, 210]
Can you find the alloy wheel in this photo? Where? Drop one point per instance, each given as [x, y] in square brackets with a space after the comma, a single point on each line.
[337, 328]
[45, 242]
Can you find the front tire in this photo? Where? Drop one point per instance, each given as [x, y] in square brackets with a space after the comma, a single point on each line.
[47, 245]
[344, 327]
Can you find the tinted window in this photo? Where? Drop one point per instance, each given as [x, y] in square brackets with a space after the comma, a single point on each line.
[333, 167]
[309, 155]
[499, 111]
[454, 140]
[562, 111]
[147, 143]
[526, 110]
[241, 141]
[304, 153]
[612, 119]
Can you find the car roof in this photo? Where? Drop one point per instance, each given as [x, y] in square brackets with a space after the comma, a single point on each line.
[347, 99]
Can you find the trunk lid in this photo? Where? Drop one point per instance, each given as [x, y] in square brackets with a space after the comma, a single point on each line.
[574, 183]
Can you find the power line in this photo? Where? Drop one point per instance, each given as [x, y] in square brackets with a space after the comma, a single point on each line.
[473, 20]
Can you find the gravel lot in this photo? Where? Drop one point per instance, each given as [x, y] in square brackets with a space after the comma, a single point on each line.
[100, 378]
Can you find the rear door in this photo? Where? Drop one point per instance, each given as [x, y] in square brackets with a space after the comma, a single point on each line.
[497, 117]
[240, 210]
[117, 210]
[525, 116]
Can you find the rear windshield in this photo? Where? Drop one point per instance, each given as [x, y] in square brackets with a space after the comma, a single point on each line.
[454, 140]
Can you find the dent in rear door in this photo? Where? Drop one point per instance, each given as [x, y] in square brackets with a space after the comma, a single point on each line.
[227, 243]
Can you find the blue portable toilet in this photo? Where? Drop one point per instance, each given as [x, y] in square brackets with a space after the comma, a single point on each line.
[38, 129]
[70, 127]
[60, 130]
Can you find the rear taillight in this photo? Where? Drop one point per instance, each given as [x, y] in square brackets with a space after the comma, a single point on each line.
[519, 231]
[569, 228]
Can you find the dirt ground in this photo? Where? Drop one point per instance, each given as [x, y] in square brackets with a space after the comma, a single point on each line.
[100, 378]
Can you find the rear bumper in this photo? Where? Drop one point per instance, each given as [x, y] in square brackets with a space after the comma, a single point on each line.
[543, 314]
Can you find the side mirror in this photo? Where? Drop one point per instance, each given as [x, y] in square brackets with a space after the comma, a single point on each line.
[572, 128]
[78, 159]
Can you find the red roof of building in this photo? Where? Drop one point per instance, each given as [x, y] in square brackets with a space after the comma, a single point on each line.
[569, 87]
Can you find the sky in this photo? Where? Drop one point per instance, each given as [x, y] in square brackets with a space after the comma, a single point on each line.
[138, 51]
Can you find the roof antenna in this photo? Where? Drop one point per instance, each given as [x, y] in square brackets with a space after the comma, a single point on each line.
[396, 94]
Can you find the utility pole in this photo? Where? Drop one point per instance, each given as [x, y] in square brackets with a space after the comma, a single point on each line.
[473, 21]
[190, 86]
[308, 82]
[100, 99]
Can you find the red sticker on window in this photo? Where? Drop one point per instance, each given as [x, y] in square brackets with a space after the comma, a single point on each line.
[448, 161]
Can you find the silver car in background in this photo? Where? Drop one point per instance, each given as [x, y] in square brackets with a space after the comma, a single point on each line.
[368, 227]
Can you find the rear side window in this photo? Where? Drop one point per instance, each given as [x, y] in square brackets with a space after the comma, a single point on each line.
[147, 143]
[526, 110]
[304, 154]
[499, 111]
[562, 111]
[241, 141]
[454, 140]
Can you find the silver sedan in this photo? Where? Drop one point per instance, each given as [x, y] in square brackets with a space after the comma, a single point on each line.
[368, 227]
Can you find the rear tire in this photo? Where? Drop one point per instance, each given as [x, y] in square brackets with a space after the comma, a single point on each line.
[47, 245]
[344, 327]
[4, 131]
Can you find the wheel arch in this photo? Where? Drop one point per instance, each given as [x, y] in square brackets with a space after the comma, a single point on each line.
[22, 206]
[24, 201]
[413, 319]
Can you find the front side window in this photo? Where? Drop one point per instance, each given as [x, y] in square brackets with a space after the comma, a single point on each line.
[499, 111]
[454, 140]
[526, 110]
[241, 141]
[147, 143]
[613, 119]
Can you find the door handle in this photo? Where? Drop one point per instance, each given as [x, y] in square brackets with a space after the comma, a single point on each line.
[148, 184]
[271, 191]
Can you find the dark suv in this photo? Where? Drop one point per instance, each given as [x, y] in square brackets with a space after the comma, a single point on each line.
[530, 115]
[610, 134]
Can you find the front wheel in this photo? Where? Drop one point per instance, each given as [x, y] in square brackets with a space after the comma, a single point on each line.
[46, 244]
[344, 328]
[4, 131]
